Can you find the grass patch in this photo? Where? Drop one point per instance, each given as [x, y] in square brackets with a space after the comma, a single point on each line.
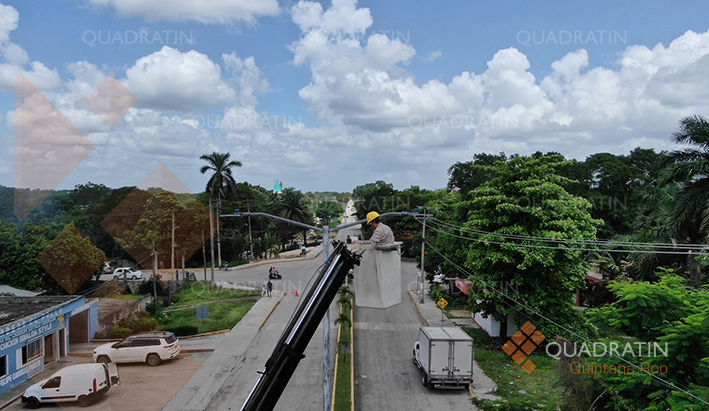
[543, 387]
[222, 316]
[343, 384]
[202, 291]
[343, 391]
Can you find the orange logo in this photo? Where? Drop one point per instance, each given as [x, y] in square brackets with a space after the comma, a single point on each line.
[522, 344]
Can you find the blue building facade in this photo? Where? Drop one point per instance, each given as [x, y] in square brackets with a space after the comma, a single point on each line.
[36, 331]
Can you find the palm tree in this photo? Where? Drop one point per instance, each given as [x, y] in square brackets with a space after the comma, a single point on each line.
[690, 169]
[291, 205]
[221, 179]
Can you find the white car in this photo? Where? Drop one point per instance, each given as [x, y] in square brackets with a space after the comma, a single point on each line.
[83, 383]
[152, 348]
[130, 274]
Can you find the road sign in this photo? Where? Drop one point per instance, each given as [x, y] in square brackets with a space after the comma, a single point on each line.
[202, 313]
[442, 303]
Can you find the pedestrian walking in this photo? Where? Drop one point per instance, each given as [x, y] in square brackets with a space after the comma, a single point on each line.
[263, 290]
[269, 287]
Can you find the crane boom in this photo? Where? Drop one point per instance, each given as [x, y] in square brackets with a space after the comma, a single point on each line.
[300, 329]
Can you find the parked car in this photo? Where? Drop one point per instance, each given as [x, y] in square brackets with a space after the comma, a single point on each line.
[445, 357]
[153, 348]
[83, 383]
[129, 272]
[107, 268]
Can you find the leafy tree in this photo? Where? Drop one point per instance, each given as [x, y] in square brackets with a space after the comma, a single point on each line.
[526, 197]
[71, 258]
[669, 312]
[153, 231]
[372, 197]
[327, 210]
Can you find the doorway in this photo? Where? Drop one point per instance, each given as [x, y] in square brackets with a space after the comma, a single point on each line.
[62, 343]
[49, 349]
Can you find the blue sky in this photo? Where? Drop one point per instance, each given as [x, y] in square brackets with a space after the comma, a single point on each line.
[359, 116]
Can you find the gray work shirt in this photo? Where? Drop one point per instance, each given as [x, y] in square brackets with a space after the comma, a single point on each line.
[382, 236]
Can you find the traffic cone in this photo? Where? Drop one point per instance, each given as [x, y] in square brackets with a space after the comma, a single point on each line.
[296, 293]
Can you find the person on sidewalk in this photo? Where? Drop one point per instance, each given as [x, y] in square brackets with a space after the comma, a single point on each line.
[263, 290]
[269, 287]
[349, 240]
[303, 250]
[382, 233]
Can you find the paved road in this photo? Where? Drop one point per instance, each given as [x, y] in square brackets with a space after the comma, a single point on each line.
[385, 375]
[305, 389]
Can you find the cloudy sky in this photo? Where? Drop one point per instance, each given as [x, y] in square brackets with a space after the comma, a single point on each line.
[330, 95]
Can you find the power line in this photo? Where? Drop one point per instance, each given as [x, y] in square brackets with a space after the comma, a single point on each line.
[671, 385]
[481, 240]
[592, 242]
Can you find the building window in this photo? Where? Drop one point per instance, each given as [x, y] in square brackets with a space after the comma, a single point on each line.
[32, 351]
[3, 366]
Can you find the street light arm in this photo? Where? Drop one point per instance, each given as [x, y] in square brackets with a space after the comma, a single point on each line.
[392, 214]
[275, 217]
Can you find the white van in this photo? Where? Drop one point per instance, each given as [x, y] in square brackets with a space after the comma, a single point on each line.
[83, 383]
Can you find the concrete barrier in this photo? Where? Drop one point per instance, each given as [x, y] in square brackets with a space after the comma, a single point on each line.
[377, 280]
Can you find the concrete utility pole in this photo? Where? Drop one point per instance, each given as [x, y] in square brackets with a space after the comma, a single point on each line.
[325, 230]
[155, 280]
[204, 256]
[211, 237]
[423, 259]
[422, 279]
[172, 248]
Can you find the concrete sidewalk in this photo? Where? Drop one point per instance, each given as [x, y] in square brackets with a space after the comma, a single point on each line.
[200, 389]
[483, 386]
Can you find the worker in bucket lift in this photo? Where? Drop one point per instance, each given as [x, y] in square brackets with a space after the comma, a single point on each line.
[382, 235]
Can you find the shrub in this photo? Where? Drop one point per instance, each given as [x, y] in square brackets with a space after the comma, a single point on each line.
[184, 330]
[121, 332]
[140, 322]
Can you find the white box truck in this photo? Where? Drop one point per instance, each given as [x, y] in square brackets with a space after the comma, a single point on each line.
[82, 382]
[445, 357]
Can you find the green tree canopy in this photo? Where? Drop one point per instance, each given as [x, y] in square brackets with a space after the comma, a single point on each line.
[525, 197]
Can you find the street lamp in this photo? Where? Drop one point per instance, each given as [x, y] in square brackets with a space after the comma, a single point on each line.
[325, 230]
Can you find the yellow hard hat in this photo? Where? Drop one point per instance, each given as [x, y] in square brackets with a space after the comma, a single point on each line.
[371, 216]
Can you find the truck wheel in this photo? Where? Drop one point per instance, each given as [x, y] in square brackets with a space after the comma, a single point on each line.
[424, 380]
[32, 403]
[104, 359]
[84, 401]
[153, 360]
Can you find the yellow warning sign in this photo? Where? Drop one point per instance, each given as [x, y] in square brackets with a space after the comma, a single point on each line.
[442, 303]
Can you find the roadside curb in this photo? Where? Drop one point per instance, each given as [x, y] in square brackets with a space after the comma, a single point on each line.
[271, 312]
[10, 401]
[182, 351]
[282, 260]
[187, 337]
[418, 309]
